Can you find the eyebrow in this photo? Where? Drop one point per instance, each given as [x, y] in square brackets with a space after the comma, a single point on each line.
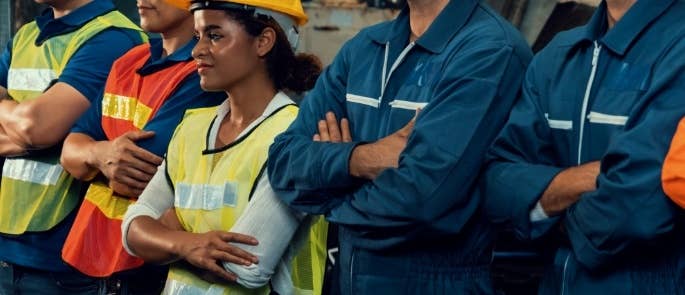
[208, 28]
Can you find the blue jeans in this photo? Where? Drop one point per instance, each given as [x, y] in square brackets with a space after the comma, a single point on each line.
[19, 280]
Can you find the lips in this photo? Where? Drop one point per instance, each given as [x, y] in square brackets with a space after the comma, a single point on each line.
[201, 67]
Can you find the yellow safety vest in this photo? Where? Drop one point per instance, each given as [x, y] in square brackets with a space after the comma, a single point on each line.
[213, 187]
[36, 193]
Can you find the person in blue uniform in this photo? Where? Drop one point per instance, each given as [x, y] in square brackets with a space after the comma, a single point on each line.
[582, 152]
[404, 191]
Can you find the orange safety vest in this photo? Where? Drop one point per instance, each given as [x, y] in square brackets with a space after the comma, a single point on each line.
[673, 173]
[94, 244]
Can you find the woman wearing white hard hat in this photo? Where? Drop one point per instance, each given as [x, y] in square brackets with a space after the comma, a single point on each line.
[213, 176]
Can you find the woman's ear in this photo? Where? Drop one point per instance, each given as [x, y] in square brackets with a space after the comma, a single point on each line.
[266, 41]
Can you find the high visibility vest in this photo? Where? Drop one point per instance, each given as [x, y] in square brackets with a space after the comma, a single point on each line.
[36, 193]
[213, 187]
[94, 244]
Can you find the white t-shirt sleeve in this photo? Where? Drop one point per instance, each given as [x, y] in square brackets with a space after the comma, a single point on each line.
[156, 199]
[273, 224]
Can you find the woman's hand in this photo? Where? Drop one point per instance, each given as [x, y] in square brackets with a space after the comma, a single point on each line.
[208, 250]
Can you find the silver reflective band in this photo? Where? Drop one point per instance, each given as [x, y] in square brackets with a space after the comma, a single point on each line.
[362, 100]
[205, 196]
[176, 287]
[600, 118]
[30, 79]
[559, 124]
[32, 171]
[407, 105]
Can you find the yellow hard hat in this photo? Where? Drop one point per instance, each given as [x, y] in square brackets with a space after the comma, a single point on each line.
[182, 4]
[287, 13]
[292, 8]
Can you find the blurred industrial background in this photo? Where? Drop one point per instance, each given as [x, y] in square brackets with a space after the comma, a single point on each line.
[334, 21]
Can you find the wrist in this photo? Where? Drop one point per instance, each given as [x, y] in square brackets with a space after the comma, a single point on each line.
[93, 158]
[361, 161]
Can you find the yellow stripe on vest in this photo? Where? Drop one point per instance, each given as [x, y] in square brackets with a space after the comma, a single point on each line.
[111, 206]
[125, 108]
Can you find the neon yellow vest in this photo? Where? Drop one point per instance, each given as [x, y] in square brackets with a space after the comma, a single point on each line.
[36, 193]
[211, 193]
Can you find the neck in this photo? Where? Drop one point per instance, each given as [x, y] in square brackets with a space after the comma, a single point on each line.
[66, 7]
[616, 9]
[177, 36]
[422, 13]
[249, 99]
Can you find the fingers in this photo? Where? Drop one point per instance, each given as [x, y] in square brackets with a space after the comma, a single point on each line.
[407, 129]
[330, 131]
[129, 181]
[238, 238]
[345, 130]
[229, 255]
[217, 270]
[139, 135]
[124, 190]
[323, 131]
[333, 128]
[148, 157]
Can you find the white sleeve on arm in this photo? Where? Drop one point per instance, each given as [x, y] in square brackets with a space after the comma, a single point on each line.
[538, 214]
[273, 224]
[157, 197]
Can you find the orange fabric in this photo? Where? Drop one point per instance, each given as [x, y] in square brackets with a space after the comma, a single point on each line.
[673, 173]
[94, 244]
[181, 4]
[95, 247]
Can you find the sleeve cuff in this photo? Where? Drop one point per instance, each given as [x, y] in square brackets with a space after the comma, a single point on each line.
[538, 214]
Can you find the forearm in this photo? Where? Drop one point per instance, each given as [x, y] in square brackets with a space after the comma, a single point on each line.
[367, 161]
[311, 176]
[78, 156]
[566, 188]
[35, 123]
[8, 148]
[150, 240]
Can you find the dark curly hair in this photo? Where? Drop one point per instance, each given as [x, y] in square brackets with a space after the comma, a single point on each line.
[288, 71]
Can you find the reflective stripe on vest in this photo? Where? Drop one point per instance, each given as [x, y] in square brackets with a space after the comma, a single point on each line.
[34, 80]
[205, 196]
[126, 108]
[36, 193]
[32, 171]
[211, 193]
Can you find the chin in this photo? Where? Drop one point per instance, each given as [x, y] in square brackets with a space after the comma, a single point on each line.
[208, 85]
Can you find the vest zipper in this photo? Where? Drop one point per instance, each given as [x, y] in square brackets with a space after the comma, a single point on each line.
[588, 90]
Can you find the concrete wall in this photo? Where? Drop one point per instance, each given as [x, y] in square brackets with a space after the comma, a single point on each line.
[329, 27]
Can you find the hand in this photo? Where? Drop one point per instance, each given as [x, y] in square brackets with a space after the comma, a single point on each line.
[329, 131]
[206, 251]
[369, 160]
[566, 187]
[127, 166]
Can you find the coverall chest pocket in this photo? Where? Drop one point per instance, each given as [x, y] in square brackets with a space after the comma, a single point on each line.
[608, 115]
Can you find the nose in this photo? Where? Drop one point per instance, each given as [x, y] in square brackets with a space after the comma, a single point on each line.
[200, 49]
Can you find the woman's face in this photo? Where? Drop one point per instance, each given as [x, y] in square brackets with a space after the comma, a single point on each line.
[157, 16]
[225, 53]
